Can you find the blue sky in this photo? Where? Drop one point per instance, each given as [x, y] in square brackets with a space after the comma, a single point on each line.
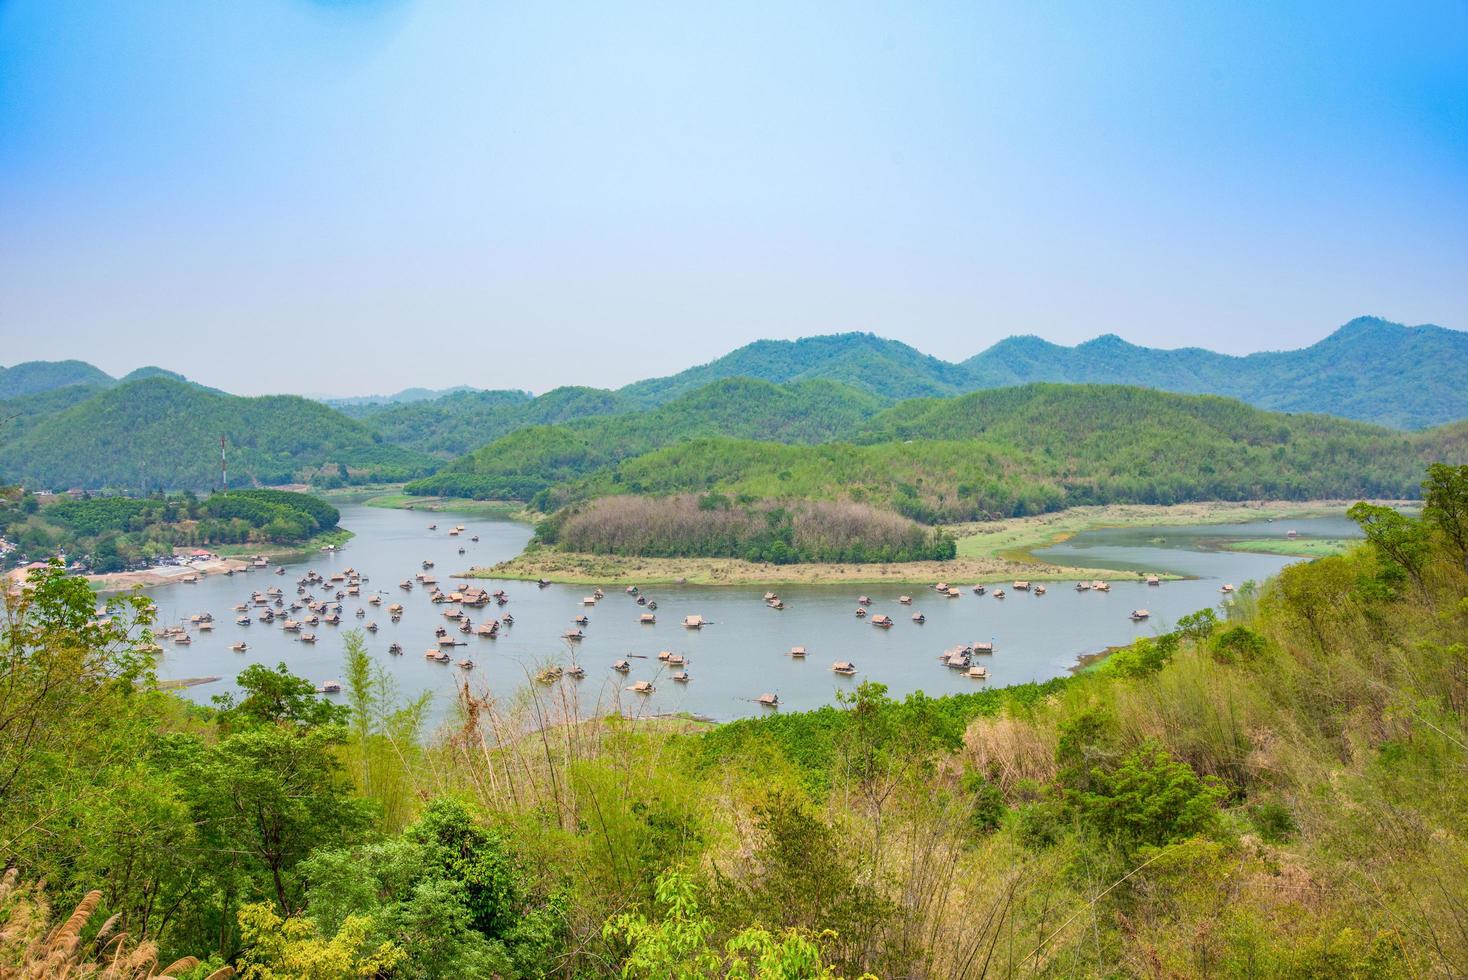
[350, 197]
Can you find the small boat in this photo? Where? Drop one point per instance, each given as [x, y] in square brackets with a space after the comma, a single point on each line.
[622, 666]
[642, 600]
[1083, 586]
[582, 620]
[863, 600]
[240, 647]
[797, 651]
[861, 612]
[576, 672]
[242, 620]
[844, 667]
[776, 603]
[1039, 590]
[433, 527]
[1226, 587]
[979, 590]
[371, 627]
[475, 538]
[329, 687]
[768, 700]
[651, 604]
[280, 571]
[999, 593]
[395, 649]
[904, 600]
[1140, 614]
[642, 687]
[631, 590]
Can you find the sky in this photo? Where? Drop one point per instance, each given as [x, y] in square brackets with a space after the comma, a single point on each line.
[358, 196]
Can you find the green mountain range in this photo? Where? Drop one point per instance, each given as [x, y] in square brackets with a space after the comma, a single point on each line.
[158, 432]
[1370, 369]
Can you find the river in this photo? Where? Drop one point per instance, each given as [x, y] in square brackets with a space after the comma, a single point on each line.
[742, 653]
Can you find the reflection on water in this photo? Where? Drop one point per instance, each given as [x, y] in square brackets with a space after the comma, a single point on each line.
[743, 652]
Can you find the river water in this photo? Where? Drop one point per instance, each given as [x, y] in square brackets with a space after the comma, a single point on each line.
[741, 654]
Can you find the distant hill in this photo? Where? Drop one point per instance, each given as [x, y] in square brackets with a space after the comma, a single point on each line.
[460, 422]
[161, 433]
[404, 397]
[525, 462]
[34, 377]
[37, 377]
[1370, 369]
[881, 367]
[1042, 447]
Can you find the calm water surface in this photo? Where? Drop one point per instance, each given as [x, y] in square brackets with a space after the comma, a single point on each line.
[743, 652]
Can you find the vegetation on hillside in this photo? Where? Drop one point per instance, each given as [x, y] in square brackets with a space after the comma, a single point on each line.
[109, 534]
[713, 526]
[1038, 448]
[524, 463]
[158, 433]
[1276, 788]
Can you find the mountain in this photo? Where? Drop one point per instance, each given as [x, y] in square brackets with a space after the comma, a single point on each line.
[406, 396]
[457, 423]
[528, 461]
[881, 367]
[34, 377]
[1042, 447]
[161, 433]
[1370, 369]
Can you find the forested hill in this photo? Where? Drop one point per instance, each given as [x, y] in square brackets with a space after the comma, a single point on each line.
[1043, 447]
[882, 367]
[1370, 370]
[34, 377]
[525, 462]
[463, 421]
[38, 377]
[161, 433]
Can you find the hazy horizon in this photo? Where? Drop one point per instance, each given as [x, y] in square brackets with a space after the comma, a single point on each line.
[353, 198]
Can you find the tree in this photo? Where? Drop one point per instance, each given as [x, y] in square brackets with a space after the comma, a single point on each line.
[276, 697]
[291, 948]
[1397, 539]
[1446, 506]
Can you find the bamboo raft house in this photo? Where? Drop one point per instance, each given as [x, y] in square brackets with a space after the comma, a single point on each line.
[904, 600]
[466, 664]
[308, 637]
[797, 651]
[863, 600]
[641, 687]
[919, 618]
[999, 593]
[240, 647]
[861, 612]
[978, 672]
[1039, 590]
[647, 619]
[768, 700]
[1140, 614]
[982, 647]
[680, 676]
[882, 621]
[693, 622]
[622, 666]
[576, 672]
[844, 667]
[1153, 580]
[1021, 585]
[582, 620]
[329, 687]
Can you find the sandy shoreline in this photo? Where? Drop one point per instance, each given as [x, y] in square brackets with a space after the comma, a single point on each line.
[988, 552]
[164, 575]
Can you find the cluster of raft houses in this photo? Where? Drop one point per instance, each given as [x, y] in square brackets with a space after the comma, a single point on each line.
[306, 610]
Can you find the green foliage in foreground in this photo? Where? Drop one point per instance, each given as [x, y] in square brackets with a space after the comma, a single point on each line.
[1275, 788]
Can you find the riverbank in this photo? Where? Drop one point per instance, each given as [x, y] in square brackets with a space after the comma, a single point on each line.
[579, 569]
[1016, 538]
[988, 552]
[503, 509]
[1292, 547]
[232, 558]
